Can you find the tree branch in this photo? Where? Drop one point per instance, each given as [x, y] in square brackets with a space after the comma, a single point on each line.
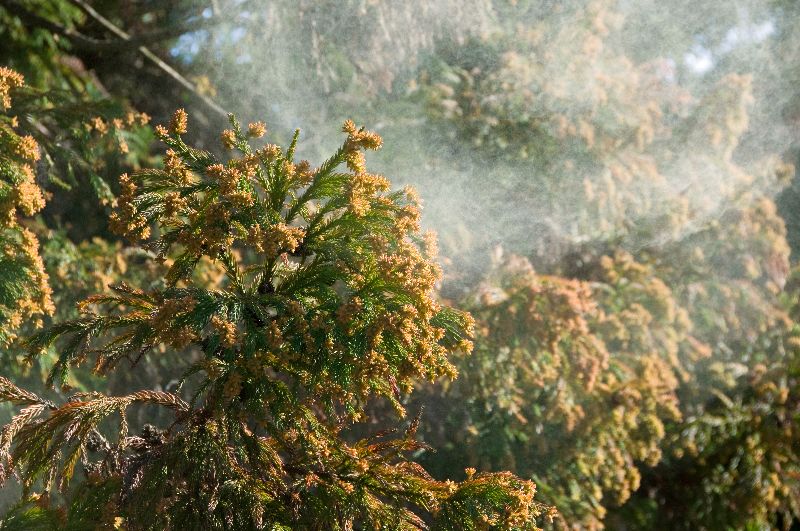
[77, 39]
[89, 10]
[84, 42]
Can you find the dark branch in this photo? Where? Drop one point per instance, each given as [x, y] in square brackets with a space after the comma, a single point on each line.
[77, 39]
[116, 30]
[86, 43]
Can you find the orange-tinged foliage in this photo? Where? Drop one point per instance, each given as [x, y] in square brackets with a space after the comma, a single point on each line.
[322, 310]
[25, 292]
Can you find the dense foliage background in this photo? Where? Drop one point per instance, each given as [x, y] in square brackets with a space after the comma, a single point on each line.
[612, 183]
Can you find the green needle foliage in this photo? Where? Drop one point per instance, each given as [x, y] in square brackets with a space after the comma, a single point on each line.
[327, 303]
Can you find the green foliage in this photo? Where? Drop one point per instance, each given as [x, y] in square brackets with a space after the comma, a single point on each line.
[327, 302]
